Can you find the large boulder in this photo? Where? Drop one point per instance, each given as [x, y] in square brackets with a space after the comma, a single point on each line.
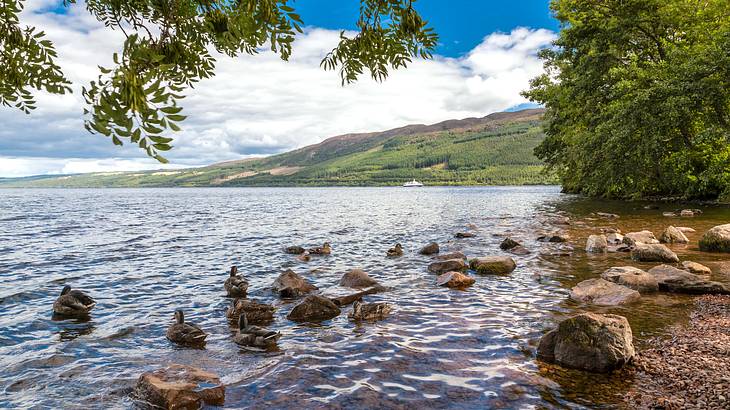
[635, 238]
[356, 279]
[675, 280]
[447, 265]
[614, 238]
[632, 277]
[716, 239]
[180, 387]
[653, 253]
[597, 244]
[454, 280]
[314, 308]
[673, 235]
[493, 265]
[450, 255]
[290, 285]
[430, 249]
[589, 341]
[696, 268]
[602, 292]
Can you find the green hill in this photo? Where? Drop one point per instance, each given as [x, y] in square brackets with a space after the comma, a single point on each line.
[493, 150]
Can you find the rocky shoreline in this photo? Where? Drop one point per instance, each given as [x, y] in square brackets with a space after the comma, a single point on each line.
[689, 368]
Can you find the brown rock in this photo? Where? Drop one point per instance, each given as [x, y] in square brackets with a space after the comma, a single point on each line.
[357, 278]
[180, 387]
[696, 268]
[509, 243]
[636, 238]
[614, 238]
[465, 235]
[589, 341]
[493, 265]
[673, 235]
[653, 253]
[256, 313]
[454, 280]
[716, 239]
[430, 249]
[604, 293]
[314, 308]
[684, 229]
[631, 277]
[554, 237]
[597, 244]
[447, 265]
[290, 285]
[676, 280]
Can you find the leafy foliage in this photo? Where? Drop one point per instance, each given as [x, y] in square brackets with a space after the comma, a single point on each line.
[168, 49]
[638, 98]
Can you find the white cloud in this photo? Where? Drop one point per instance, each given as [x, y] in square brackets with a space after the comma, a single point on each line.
[259, 104]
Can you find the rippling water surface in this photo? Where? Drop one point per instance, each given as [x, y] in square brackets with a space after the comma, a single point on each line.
[144, 253]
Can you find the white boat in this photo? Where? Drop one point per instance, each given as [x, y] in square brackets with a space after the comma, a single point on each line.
[412, 184]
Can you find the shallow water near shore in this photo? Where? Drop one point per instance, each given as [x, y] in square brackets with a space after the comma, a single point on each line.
[142, 253]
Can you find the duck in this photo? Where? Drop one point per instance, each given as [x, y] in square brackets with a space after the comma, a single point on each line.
[294, 250]
[369, 311]
[256, 312]
[254, 336]
[236, 286]
[395, 251]
[73, 303]
[325, 249]
[305, 257]
[185, 333]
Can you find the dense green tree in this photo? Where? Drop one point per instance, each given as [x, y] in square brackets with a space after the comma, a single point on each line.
[168, 49]
[638, 98]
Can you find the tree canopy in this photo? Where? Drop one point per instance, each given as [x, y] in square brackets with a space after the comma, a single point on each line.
[637, 94]
[168, 48]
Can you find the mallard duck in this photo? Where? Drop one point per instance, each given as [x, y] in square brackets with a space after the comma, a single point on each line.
[395, 251]
[294, 250]
[256, 313]
[304, 257]
[369, 311]
[236, 286]
[185, 333]
[254, 336]
[321, 250]
[73, 303]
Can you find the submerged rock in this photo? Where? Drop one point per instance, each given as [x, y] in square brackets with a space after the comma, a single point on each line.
[509, 243]
[554, 237]
[632, 277]
[519, 250]
[357, 278]
[607, 215]
[637, 238]
[716, 239]
[602, 292]
[430, 249]
[454, 280]
[493, 265]
[687, 212]
[465, 235]
[314, 308]
[685, 229]
[447, 265]
[696, 268]
[450, 255]
[653, 253]
[290, 285]
[559, 220]
[180, 387]
[597, 244]
[673, 235]
[589, 341]
[676, 280]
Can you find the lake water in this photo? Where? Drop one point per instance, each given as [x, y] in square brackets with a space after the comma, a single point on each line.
[142, 253]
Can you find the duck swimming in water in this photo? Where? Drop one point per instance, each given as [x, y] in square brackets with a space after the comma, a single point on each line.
[254, 336]
[325, 249]
[73, 303]
[236, 286]
[395, 251]
[369, 311]
[185, 333]
[304, 257]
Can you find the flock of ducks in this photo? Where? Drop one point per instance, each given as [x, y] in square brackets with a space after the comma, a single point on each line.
[73, 303]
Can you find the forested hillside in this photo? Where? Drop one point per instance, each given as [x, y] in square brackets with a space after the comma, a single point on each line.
[494, 150]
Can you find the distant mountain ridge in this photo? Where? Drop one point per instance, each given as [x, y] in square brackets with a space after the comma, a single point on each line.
[495, 149]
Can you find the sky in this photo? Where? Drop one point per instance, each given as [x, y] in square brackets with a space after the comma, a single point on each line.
[260, 105]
